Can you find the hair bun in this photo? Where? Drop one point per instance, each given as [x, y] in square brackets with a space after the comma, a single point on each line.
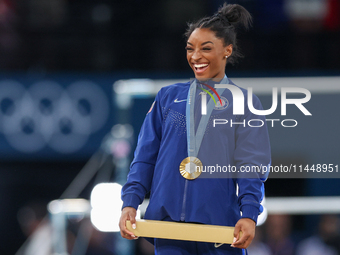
[235, 14]
[223, 18]
[224, 23]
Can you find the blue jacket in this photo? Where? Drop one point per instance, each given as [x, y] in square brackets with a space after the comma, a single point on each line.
[210, 199]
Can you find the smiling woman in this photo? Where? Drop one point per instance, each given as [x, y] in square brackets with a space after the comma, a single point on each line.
[211, 41]
[206, 54]
[178, 137]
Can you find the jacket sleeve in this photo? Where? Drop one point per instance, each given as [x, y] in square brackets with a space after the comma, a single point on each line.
[142, 167]
[252, 153]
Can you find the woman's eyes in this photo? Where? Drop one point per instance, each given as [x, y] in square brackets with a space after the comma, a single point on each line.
[191, 49]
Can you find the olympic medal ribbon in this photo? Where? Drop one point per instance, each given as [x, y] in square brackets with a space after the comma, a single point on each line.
[194, 140]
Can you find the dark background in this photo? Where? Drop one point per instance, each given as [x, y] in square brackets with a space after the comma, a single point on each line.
[85, 35]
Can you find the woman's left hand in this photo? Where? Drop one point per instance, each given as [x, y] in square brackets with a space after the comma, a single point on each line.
[247, 226]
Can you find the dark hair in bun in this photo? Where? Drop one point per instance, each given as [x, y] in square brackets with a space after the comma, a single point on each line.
[224, 23]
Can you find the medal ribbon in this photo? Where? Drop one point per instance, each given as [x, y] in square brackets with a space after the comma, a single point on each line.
[194, 140]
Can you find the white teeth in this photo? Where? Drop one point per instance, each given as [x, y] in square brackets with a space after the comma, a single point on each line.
[200, 65]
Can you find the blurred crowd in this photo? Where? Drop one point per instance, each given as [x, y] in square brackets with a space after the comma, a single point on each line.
[279, 235]
[40, 35]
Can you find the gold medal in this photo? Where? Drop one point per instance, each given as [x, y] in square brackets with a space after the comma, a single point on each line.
[190, 168]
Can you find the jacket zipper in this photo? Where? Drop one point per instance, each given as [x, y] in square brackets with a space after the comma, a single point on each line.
[184, 200]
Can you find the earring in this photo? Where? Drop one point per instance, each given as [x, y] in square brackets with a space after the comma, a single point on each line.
[226, 56]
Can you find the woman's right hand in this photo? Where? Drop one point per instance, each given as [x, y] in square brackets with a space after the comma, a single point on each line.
[128, 213]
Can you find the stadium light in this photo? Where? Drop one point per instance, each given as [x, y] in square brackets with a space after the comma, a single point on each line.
[106, 207]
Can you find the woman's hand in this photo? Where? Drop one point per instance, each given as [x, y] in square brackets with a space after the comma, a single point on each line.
[247, 226]
[128, 213]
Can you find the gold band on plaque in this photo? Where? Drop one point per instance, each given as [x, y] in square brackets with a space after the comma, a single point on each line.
[183, 231]
[190, 168]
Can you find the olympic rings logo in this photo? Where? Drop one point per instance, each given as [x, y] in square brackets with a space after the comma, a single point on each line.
[47, 114]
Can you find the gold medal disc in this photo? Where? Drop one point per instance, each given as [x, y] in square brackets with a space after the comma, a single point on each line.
[190, 168]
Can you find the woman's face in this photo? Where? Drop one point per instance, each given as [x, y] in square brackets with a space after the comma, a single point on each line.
[206, 54]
